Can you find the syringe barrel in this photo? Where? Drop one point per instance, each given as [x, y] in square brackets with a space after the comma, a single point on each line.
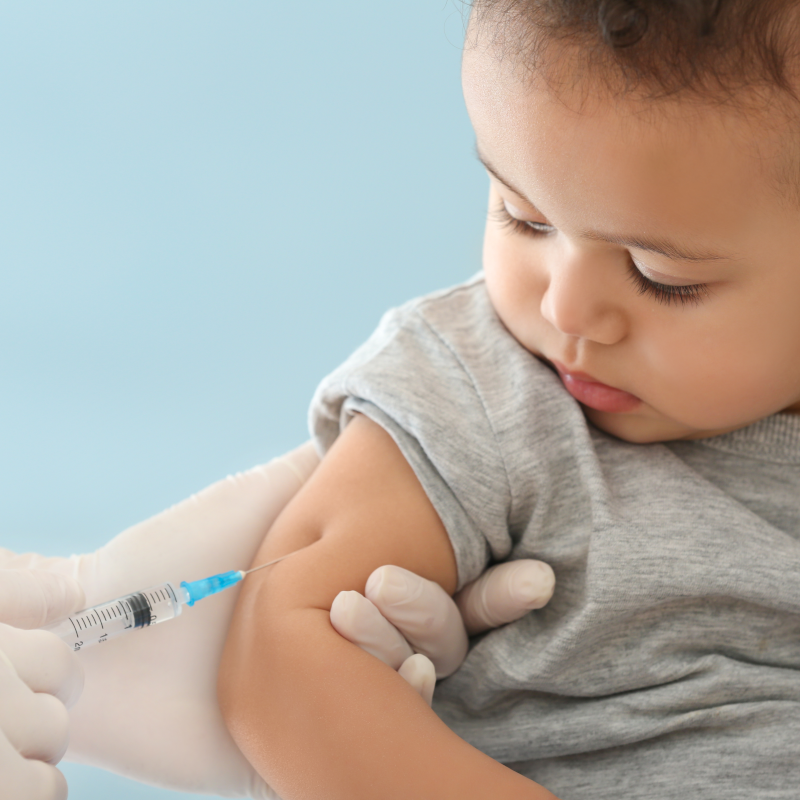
[126, 614]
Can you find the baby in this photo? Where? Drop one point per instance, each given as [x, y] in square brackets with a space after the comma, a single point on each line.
[617, 394]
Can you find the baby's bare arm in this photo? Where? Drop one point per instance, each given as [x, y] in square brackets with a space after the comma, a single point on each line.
[317, 716]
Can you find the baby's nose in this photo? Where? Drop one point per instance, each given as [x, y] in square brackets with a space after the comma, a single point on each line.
[581, 301]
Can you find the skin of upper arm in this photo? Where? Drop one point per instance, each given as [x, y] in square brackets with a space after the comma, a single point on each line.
[362, 508]
[314, 714]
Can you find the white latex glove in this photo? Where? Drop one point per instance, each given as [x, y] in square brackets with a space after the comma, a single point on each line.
[149, 707]
[149, 710]
[432, 623]
[39, 678]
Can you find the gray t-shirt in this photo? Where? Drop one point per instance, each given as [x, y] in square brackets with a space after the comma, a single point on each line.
[667, 664]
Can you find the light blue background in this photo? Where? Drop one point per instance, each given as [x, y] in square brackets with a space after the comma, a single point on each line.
[205, 206]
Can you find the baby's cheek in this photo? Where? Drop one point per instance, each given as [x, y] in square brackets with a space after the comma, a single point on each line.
[511, 282]
[714, 389]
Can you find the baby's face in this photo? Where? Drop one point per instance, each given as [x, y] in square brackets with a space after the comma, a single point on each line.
[649, 258]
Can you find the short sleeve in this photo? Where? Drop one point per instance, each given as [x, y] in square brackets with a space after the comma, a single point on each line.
[410, 380]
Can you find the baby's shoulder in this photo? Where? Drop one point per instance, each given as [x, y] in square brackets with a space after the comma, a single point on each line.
[458, 314]
[461, 321]
[515, 387]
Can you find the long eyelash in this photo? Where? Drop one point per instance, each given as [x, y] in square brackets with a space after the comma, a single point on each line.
[665, 294]
[512, 224]
[661, 292]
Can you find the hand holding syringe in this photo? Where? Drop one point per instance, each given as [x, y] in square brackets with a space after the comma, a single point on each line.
[141, 609]
[177, 697]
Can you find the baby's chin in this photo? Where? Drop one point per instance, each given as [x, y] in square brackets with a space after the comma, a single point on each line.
[645, 426]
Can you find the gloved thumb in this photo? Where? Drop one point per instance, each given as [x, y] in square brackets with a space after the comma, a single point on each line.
[504, 593]
[32, 598]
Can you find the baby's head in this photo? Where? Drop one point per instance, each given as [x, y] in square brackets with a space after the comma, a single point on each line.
[644, 225]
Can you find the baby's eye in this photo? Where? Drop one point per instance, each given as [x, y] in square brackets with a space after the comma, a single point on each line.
[665, 293]
[506, 216]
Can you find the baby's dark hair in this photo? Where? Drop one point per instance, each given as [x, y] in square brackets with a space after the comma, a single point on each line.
[711, 49]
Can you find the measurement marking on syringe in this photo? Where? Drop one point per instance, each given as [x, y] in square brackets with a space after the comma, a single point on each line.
[140, 609]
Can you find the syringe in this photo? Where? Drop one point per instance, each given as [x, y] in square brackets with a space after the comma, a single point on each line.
[139, 610]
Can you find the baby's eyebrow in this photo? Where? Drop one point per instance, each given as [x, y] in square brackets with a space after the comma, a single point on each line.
[664, 247]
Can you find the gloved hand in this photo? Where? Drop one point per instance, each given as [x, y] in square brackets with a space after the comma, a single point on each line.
[149, 707]
[39, 678]
[153, 689]
[402, 611]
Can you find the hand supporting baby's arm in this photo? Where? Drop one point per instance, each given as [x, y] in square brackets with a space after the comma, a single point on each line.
[317, 716]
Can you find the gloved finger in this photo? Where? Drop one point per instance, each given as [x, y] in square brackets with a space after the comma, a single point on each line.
[32, 598]
[423, 612]
[36, 725]
[505, 593]
[43, 662]
[418, 670]
[357, 620]
[25, 779]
